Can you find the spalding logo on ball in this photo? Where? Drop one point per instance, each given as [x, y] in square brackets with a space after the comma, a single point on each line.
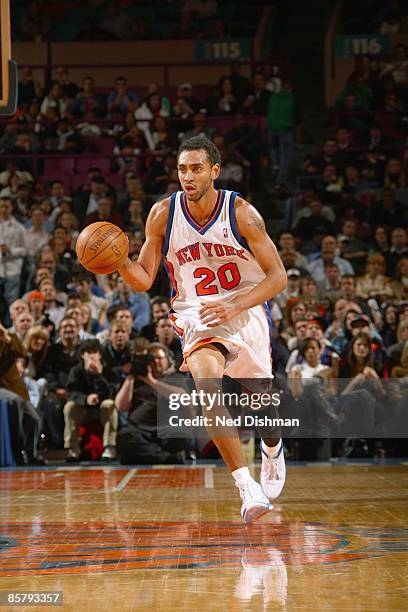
[102, 247]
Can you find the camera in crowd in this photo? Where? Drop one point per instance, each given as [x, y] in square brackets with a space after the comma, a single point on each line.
[140, 363]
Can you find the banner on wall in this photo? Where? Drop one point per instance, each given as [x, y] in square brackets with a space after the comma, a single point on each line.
[362, 44]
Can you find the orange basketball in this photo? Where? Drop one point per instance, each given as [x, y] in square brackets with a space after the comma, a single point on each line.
[101, 247]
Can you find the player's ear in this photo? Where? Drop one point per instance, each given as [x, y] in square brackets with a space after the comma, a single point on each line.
[215, 171]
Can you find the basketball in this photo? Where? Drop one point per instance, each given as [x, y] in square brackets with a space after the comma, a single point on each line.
[102, 247]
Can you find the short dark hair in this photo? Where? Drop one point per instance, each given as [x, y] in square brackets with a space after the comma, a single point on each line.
[306, 343]
[90, 346]
[201, 142]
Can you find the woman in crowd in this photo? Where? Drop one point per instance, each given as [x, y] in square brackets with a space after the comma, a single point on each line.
[374, 283]
[36, 343]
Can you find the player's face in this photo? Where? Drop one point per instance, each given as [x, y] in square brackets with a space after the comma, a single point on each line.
[196, 174]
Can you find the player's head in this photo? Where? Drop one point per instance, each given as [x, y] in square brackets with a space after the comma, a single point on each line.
[199, 164]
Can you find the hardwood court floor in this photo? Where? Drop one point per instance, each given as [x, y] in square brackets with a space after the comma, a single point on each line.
[166, 539]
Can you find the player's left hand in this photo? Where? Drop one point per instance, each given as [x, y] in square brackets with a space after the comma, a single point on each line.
[218, 313]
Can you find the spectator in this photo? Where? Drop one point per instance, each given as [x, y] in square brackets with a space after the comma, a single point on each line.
[399, 248]
[166, 336]
[55, 99]
[401, 280]
[36, 235]
[135, 301]
[374, 284]
[224, 102]
[24, 420]
[141, 440]
[241, 86]
[116, 352]
[83, 286]
[351, 247]
[87, 100]
[16, 308]
[28, 87]
[257, 100]
[314, 216]
[89, 398]
[287, 243]
[281, 122]
[388, 211]
[330, 287]
[78, 314]
[292, 289]
[13, 249]
[54, 307]
[104, 212]
[60, 360]
[86, 201]
[47, 259]
[328, 255]
[394, 351]
[122, 97]
[36, 344]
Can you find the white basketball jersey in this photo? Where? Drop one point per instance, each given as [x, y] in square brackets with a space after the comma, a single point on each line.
[208, 262]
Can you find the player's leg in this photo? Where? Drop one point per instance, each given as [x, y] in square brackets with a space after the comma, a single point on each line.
[207, 364]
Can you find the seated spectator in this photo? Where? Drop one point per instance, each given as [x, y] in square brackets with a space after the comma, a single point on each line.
[380, 244]
[224, 101]
[401, 369]
[77, 313]
[36, 235]
[22, 324]
[36, 301]
[397, 68]
[359, 362]
[330, 287]
[16, 308]
[310, 297]
[312, 215]
[83, 286]
[186, 105]
[88, 399]
[389, 325]
[47, 260]
[328, 255]
[54, 308]
[136, 302]
[141, 441]
[401, 280]
[135, 219]
[13, 249]
[344, 155]
[160, 307]
[399, 248]
[300, 329]
[55, 99]
[116, 351]
[328, 356]
[200, 128]
[256, 102]
[36, 344]
[352, 248]
[166, 336]
[393, 174]
[292, 289]
[25, 425]
[122, 97]
[394, 352]
[87, 100]
[60, 360]
[287, 242]
[104, 212]
[158, 174]
[28, 87]
[374, 284]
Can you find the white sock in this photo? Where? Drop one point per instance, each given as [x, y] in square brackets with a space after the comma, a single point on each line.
[271, 451]
[241, 475]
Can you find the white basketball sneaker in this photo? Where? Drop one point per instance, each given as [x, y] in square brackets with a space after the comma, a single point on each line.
[254, 502]
[273, 473]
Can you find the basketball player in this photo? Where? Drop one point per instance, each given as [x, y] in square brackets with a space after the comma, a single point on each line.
[223, 267]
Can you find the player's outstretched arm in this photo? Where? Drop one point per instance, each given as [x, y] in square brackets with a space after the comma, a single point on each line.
[140, 274]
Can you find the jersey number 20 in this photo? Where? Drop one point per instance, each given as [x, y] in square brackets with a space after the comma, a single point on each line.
[228, 277]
